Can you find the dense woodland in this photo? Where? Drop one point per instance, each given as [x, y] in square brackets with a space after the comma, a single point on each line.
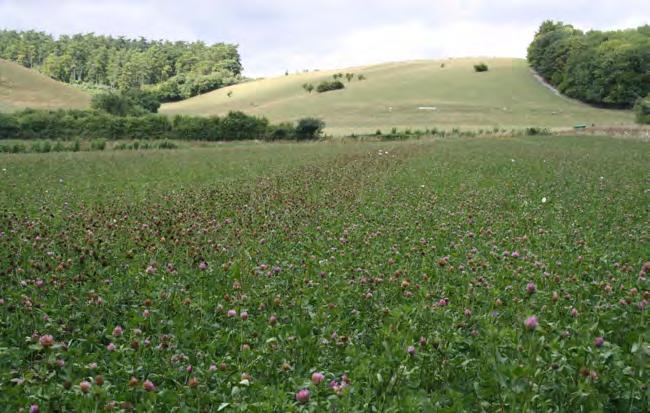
[602, 68]
[175, 70]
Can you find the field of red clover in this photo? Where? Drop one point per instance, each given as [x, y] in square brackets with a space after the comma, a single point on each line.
[461, 275]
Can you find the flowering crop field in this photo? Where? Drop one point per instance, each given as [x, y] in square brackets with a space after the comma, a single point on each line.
[488, 275]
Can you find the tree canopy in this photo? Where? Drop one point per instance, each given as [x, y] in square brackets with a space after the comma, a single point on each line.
[610, 68]
[175, 70]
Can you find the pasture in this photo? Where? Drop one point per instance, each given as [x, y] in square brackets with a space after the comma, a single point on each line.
[409, 95]
[22, 88]
[491, 274]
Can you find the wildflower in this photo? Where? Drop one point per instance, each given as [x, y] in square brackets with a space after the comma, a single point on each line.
[515, 254]
[531, 322]
[212, 368]
[468, 312]
[244, 315]
[232, 313]
[599, 341]
[543, 200]
[193, 382]
[574, 312]
[273, 320]
[531, 288]
[46, 340]
[110, 347]
[150, 269]
[411, 350]
[34, 408]
[203, 266]
[133, 382]
[118, 331]
[84, 386]
[302, 396]
[317, 378]
[60, 363]
[148, 385]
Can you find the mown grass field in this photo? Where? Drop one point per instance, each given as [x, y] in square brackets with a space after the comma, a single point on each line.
[405, 275]
[22, 88]
[508, 96]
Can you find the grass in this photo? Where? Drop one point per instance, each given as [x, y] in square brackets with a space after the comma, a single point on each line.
[403, 272]
[22, 88]
[507, 96]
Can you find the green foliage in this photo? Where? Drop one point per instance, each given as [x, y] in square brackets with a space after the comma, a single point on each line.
[281, 131]
[601, 68]
[480, 67]
[397, 270]
[181, 69]
[326, 86]
[98, 145]
[308, 87]
[77, 124]
[9, 126]
[309, 128]
[121, 104]
[642, 110]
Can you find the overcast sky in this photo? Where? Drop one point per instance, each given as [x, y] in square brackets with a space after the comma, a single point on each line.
[279, 35]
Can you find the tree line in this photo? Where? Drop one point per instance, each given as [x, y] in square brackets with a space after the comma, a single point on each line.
[174, 70]
[605, 68]
[69, 125]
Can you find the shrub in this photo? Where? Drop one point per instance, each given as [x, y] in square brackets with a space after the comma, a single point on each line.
[309, 128]
[167, 145]
[535, 131]
[98, 145]
[481, 67]
[9, 127]
[642, 110]
[238, 126]
[281, 131]
[326, 86]
[133, 102]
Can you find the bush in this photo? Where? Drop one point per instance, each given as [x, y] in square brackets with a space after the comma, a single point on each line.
[9, 127]
[535, 131]
[281, 131]
[309, 128]
[133, 102]
[481, 67]
[98, 145]
[240, 126]
[642, 110]
[326, 86]
[167, 145]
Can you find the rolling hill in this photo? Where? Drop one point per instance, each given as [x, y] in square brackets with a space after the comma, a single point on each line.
[22, 88]
[414, 94]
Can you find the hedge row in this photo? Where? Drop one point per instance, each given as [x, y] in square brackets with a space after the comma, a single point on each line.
[79, 124]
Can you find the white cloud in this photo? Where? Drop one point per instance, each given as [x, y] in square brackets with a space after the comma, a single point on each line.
[299, 34]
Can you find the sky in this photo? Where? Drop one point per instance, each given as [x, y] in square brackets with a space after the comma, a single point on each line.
[295, 35]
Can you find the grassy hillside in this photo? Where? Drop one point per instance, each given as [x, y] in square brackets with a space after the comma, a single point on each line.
[508, 96]
[22, 88]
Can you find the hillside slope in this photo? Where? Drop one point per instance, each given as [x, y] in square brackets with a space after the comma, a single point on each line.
[22, 88]
[508, 95]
